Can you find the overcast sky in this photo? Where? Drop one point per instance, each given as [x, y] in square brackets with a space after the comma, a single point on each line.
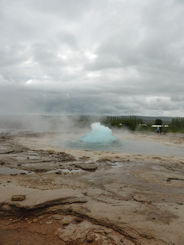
[123, 57]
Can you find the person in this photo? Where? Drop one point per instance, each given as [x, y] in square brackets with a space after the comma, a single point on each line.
[158, 130]
[164, 130]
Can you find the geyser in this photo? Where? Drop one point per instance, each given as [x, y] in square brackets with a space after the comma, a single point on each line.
[99, 134]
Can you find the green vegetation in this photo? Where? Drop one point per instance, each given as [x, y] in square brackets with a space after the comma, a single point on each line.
[131, 122]
[135, 123]
[177, 125]
[158, 121]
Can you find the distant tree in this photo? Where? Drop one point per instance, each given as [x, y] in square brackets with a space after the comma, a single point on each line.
[158, 121]
[177, 125]
[131, 122]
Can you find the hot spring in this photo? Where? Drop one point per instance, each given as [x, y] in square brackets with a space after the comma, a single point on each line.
[99, 135]
[101, 138]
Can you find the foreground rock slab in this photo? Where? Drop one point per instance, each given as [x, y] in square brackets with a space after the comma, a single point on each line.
[37, 198]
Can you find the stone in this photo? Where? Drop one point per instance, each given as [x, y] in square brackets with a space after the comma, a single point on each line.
[67, 235]
[74, 232]
[141, 198]
[58, 172]
[57, 216]
[66, 220]
[87, 166]
[18, 197]
[35, 220]
[49, 222]
[78, 220]
[90, 237]
[6, 207]
[65, 157]
[2, 163]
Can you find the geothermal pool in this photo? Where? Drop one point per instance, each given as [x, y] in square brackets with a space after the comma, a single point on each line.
[101, 138]
[99, 135]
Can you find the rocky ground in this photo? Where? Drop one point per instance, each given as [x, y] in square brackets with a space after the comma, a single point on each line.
[49, 196]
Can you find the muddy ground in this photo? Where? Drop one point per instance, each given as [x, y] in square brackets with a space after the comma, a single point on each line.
[54, 196]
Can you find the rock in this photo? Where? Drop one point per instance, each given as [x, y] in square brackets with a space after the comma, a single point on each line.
[49, 222]
[23, 173]
[85, 193]
[116, 239]
[5, 207]
[141, 198]
[67, 235]
[35, 220]
[58, 172]
[106, 242]
[2, 163]
[90, 237]
[18, 198]
[87, 166]
[106, 160]
[65, 157]
[66, 220]
[78, 220]
[179, 203]
[84, 158]
[57, 216]
[74, 232]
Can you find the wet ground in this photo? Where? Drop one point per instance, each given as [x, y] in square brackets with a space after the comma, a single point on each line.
[67, 196]
[128, 145]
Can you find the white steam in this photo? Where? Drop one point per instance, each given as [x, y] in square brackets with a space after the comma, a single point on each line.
[99, 135]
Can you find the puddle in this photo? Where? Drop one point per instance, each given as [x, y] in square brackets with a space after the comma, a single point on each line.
[67, 171]
[8, 171]
[3, 147]
[25, 158]
[127, 164]
[158, 168]
[119, 164]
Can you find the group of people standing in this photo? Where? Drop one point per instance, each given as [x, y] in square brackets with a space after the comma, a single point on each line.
[159, 130]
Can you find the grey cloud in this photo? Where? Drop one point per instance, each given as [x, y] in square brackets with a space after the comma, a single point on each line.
[89, 56]
[69, 9]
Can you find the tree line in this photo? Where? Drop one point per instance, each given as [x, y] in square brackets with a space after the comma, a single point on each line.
[135, 123]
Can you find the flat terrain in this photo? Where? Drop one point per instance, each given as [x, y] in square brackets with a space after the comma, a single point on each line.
[50, 195]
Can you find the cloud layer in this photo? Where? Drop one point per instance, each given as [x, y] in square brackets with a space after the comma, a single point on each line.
[92, 57]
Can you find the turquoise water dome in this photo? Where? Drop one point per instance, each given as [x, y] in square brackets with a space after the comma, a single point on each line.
[99, 134]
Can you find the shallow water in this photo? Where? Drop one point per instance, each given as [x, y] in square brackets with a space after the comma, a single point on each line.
[7, 171]
[127, 146]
